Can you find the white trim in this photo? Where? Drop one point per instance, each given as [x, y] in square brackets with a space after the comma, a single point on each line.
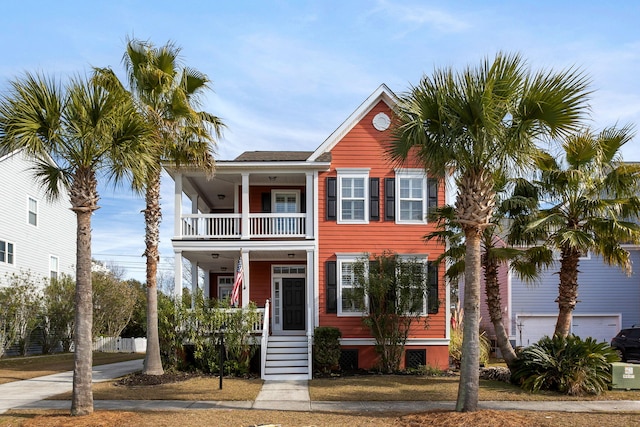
[351, 259]
[410, 341]
[228, 286]
[382, 93]
[36, 213]
[353, 174]
[277, 327]
[6, 251]
[57, 270]
[411, 174]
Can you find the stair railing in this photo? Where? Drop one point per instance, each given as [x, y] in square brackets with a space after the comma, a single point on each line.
[265, 340]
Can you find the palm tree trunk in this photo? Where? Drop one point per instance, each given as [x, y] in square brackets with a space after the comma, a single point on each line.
[567, 290]
[83, 196]
[469, 364]
[152, 216]
[494, 303]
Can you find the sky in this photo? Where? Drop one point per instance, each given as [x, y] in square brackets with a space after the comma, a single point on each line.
[286, 74]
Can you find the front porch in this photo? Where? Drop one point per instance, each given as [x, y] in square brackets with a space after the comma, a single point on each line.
[281, 282]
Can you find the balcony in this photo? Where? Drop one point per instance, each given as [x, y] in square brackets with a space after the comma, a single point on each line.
[229, 226]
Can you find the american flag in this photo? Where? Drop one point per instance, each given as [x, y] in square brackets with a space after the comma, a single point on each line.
[235, 294]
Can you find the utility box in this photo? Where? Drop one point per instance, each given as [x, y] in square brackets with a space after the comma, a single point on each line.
[625, 376]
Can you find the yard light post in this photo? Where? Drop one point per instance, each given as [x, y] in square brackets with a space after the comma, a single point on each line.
[221, 358]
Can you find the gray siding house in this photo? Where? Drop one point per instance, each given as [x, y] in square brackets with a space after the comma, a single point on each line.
[36, 235]
[608, 300]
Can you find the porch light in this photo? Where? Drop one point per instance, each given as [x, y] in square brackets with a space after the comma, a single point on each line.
[215, 256]
[221, 196]
[273, 178]
[291, 255]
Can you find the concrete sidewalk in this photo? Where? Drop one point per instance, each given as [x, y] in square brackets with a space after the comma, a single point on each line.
[275, 395]
[19, 393]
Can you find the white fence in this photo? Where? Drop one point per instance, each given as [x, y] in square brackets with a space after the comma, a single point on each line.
[120, 345]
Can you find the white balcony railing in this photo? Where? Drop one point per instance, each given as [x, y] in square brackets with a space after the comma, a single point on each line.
[228, 226]
[221, 226]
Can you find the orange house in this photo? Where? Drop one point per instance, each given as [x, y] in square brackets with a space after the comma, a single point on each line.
[296, 221]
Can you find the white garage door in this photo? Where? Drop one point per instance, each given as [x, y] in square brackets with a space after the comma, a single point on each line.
[602, 328]
[530, 328]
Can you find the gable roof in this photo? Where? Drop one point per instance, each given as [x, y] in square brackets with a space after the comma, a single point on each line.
[382, 93]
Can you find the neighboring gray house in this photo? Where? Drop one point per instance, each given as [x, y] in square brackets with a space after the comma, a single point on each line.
[36, 235]
[608, 300]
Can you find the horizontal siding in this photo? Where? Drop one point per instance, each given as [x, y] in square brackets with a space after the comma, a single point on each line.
[364, 147]
[56, 231]
[601, 289]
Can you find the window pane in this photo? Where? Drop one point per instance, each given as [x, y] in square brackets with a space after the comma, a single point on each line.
[352, 300]
[411, 210]
[33, 212]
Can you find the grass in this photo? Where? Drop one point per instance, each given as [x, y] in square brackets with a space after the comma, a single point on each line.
[23, 368]
[199, 389]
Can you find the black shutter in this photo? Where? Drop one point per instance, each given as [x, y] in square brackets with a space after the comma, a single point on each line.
[303, 203]
[374, 199]
[432, 190]
[332, 199]
[432, 288]
[332, 287]
[389, 199]
[266, 202]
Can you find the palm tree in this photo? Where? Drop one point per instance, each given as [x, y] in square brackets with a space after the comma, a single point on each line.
[590, 204]
[525, 262]
[472, 124]
[167, 94]
[77, 133]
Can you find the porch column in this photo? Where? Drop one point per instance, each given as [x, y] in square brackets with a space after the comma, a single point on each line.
[309, 205]
[207, 285]
[177, 206]
[246, 279]
[310, 308]
[194, 283]
[245, 206]
[177, 278]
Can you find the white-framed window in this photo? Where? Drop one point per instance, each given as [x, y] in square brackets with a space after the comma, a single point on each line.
[414, 269]
[353, 196]
[351, 299]
[54, 267]
[7, 253]
[32, 211]
[225, 287]
[411, 191]
[286, 202]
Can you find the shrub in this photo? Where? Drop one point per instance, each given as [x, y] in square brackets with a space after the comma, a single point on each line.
[326, 348]
[567, 365]
[455, 342]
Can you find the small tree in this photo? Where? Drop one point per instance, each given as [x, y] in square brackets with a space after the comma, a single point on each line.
[113, 303]
[58, 317]
[396, 291]
[137, 326]
[22, 309]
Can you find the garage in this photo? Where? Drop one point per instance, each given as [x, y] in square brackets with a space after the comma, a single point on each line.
[531, 327]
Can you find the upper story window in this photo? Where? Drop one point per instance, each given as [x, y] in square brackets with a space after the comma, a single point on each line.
[6, 252]
[411, 188]
[54, 266]
[33, 211]
[353, 191]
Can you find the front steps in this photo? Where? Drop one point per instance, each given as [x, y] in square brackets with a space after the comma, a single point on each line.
[287, 358]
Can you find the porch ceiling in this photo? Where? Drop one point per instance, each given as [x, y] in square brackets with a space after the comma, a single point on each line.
[225, 261]
[218, 192]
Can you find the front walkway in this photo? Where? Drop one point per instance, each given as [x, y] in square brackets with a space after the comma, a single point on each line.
[275, 395]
